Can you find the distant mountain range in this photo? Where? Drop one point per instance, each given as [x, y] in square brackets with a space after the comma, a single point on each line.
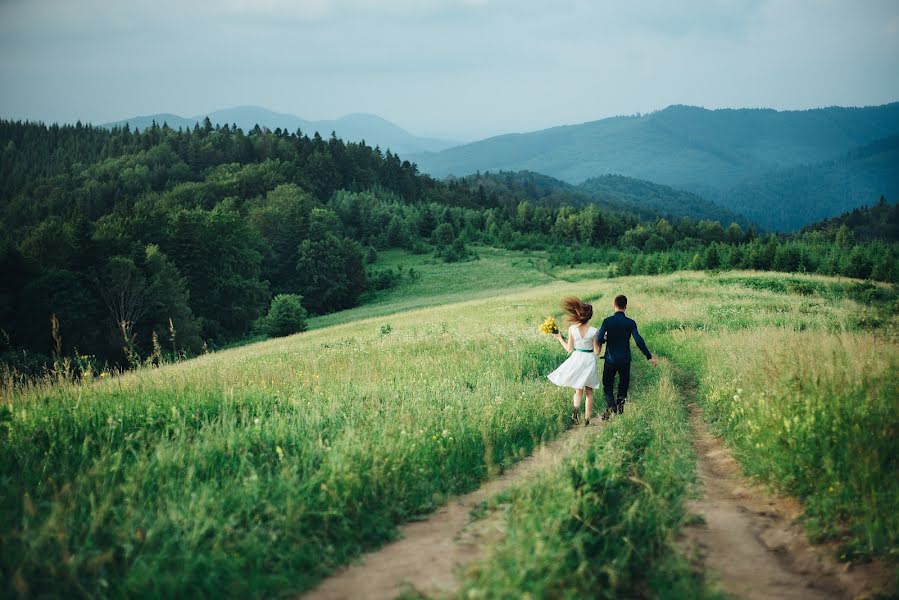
[355, 127]
[738, 158]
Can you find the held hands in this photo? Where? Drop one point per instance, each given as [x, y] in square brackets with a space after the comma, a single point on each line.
[558, 336]
[654, 361]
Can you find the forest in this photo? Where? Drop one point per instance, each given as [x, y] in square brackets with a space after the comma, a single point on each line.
[121, 244]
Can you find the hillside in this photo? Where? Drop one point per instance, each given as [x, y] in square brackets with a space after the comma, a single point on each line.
[787, 199]
[612, 192]
[261, 470]
[683, 146]
[660, 199]
[355, 127]
[877, 222]
[708, 152]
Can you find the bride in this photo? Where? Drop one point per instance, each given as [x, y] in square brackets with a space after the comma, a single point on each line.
[579, 370]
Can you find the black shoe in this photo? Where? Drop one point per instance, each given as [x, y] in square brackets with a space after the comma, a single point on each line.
[607, 414]
[575, 416]
[619, 408]
[586, 422]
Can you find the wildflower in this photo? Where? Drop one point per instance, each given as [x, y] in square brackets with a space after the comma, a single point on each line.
[256, 421]
[280, 453]
[445, 433]
[434, 437]
[104, 374]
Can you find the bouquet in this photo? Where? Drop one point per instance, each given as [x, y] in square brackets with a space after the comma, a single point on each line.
[549, 326]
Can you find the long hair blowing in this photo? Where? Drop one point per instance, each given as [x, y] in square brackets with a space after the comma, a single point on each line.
[576, 311]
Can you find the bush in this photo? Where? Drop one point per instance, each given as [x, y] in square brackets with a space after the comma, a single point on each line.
[285, 317]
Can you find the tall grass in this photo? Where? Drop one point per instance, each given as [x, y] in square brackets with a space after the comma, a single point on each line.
[603, 526]
[258, 470]
[816, 414]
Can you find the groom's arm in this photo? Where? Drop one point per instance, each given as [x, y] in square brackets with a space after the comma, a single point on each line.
[600, 337]
[641, 344]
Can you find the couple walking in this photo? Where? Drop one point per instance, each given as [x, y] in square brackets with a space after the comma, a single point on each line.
[585, 343]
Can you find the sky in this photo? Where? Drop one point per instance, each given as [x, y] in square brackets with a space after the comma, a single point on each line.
[456, 69]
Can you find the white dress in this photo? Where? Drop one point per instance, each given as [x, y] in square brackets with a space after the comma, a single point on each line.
[579, 369]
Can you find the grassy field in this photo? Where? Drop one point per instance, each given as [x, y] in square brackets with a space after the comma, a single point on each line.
[257, 470]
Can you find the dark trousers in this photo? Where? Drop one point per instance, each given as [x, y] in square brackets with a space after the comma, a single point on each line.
[608, 381]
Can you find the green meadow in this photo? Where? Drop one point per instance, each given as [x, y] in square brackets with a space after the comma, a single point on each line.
[258, 470]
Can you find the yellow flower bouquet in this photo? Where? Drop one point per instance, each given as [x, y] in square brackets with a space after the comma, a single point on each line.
[549, 326]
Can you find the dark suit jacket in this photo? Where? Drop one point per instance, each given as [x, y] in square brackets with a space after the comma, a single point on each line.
[617, 330]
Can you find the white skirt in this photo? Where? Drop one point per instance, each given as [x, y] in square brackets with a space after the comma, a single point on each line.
[578, 371]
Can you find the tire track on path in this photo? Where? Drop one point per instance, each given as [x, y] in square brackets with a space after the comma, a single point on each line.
[429, 553]
[751, 542]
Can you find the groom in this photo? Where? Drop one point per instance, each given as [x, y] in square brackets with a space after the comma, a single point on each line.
[616, 332]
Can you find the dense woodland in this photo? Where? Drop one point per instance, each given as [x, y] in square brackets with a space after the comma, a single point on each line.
[121, 244]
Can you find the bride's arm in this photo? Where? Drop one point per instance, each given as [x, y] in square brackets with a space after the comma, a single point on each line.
[567, 344]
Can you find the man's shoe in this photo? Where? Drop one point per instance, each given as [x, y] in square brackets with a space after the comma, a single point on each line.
[607, 414]
[619, 408]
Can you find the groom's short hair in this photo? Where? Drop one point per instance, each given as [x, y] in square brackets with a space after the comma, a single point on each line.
[621, 301]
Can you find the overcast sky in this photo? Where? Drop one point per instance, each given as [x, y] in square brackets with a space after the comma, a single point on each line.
[462, 69]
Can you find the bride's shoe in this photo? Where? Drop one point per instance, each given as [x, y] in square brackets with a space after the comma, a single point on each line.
[575, 416]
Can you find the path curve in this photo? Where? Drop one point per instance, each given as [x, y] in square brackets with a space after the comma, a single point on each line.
[427, 556]
[751, 541]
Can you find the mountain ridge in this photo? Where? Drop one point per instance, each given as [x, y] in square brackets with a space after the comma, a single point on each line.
[374, 130]
[707, 152]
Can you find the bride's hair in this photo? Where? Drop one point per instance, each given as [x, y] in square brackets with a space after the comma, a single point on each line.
[576, 311]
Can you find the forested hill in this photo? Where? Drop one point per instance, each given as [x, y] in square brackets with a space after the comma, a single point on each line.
[659, 199]
[877, 222]
[683, 146]
[611, 192]
[709, 152]
[787, 199]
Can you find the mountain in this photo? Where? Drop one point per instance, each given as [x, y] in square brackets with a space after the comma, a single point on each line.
[611, 192]
[708, 152]
[355, 127]
[787, 199]
[683, 146]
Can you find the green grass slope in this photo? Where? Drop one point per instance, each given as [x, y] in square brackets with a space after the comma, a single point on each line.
[258, 470]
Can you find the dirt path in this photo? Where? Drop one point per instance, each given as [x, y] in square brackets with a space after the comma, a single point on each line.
[751, 541]
[429, 553]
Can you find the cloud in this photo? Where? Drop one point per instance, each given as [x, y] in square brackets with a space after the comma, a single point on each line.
[450, 67]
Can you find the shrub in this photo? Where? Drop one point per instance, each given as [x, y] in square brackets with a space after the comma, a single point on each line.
[285, 317]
